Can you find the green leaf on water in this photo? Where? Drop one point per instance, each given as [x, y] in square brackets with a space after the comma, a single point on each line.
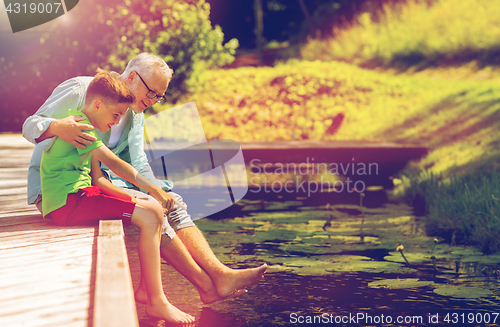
[277, 234]
[252, 207]
[395, 256]
[282, 205]
[370, 266]
[463, 292]
[486, 259]
[304, 265]
[399, 283]
[468, 252]
[208, 225]
[310, 249]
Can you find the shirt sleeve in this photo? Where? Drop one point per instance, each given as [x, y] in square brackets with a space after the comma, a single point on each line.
[96, 144]
[68, 95]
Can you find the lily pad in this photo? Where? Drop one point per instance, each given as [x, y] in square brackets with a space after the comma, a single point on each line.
[370, 266]
[282, 205]
[467, 252]
[395, 256]
[277, 234]
[463, 292]
[309, 249]
[208, 225]
[399, 283]
[486, 259]
[252, 207]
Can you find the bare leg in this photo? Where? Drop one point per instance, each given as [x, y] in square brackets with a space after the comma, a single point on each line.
[176, 254]
[226, 280]
[149, 217]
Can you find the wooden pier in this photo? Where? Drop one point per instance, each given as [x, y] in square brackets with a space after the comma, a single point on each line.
[52, 275]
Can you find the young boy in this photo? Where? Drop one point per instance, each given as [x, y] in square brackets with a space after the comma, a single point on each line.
[75, 192]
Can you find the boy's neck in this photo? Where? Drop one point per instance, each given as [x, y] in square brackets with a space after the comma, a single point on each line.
[87, 110]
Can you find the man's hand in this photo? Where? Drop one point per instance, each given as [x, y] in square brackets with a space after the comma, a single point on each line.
[165, 199]
[70, 131]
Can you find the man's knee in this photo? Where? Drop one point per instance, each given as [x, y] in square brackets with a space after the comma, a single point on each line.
[179, 218]
[167, 235]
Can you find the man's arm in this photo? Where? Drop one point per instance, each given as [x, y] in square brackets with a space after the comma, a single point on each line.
[70, 131]
[129, 173]
[44, 125]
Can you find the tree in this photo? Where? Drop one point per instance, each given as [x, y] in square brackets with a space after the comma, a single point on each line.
[180, 33]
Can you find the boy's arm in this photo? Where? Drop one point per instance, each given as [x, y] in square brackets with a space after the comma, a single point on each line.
[129, 173]
[106, 186]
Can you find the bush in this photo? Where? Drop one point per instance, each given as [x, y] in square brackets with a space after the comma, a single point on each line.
[179, 32]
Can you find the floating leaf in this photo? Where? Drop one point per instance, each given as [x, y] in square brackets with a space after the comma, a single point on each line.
[209, 225]
[486, 259]
[277, 234]
[467, 252]
[370, 266]
[310, 249]
[395, 256]
[399, 283]
[252, 207]
[463, 292]
[282, 205]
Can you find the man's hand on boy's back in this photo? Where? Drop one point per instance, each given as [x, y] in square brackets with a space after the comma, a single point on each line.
[70, 130]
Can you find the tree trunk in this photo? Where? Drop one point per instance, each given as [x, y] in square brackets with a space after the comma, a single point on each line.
[308, 19]
[259, 27]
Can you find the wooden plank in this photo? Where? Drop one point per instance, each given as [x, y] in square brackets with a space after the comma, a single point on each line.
[46, 271]
[114, 303]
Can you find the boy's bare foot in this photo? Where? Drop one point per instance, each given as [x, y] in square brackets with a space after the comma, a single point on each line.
[212, 296]
[164, 310]
[208, 297]
[236, 279]
[141, 295]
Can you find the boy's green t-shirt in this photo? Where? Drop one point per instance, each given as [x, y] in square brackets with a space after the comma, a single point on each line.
[65, 169]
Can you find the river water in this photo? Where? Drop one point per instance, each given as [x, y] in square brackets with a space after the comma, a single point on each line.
[336, 264]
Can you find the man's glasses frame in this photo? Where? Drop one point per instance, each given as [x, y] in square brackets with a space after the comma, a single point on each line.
[152, 94]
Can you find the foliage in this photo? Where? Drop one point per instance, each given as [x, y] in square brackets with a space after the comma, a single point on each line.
[106, 34]
[179, 32]
[416, 32]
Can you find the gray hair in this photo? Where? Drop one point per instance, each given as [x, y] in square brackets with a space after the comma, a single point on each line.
[148, 63]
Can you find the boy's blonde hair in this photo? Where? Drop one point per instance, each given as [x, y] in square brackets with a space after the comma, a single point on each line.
[105, 86]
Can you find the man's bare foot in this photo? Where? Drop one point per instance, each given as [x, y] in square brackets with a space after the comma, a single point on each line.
[208, 297]
[164, 310]
[236, 279]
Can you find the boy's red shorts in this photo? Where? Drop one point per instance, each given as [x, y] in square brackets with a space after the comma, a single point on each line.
[90, 205]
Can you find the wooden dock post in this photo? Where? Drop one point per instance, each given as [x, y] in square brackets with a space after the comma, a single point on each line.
[114, 303]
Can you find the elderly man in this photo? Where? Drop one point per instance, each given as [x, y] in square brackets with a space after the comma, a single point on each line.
[148, 77]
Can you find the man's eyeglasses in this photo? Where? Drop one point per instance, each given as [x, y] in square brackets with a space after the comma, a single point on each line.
[152, 94]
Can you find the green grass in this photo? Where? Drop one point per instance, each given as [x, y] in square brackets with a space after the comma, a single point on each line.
[463, 209]
[445, 32]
